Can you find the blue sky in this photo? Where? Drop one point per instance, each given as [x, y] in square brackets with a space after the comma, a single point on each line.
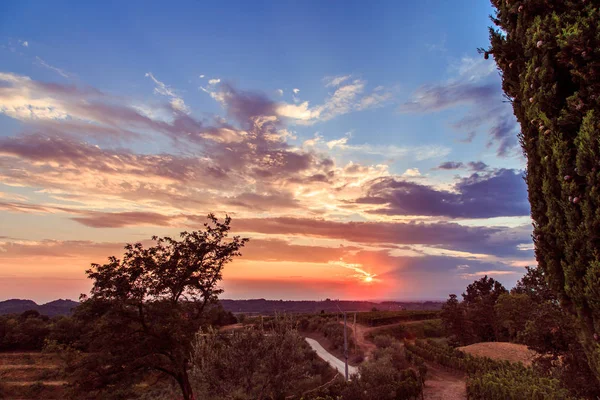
[336, 112]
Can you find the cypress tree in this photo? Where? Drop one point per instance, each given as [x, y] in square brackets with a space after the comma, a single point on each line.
[548, 53]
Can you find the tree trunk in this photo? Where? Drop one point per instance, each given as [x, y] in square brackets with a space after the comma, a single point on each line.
[186, 388]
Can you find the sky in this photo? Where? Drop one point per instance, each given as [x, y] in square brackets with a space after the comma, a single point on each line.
[366, 149]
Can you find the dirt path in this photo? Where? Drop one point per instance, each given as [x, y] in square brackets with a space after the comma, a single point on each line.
[440, 384]
[360, 336]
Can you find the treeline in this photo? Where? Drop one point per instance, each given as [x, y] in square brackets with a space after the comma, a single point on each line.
[431, 328]
[31, 331]
[263, 306]
[379, 318]
[491, 379]
[529, 314]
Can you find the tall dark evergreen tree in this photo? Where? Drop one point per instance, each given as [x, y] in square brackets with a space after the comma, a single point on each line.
[548, 52]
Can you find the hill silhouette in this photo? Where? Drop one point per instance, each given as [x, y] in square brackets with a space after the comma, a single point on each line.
[258, 306]
[51, 309]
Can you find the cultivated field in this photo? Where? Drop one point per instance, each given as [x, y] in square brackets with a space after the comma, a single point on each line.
[501, 351]
[26, 376]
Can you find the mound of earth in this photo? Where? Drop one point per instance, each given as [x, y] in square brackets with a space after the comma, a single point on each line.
[501, 351]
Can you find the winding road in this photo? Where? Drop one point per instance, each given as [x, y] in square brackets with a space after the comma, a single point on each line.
[330, 358]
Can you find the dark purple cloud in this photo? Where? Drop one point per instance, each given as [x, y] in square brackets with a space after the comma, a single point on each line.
[501, 193]
[504, 134]
[484, 240]
[243, 106]
[476, 166]
[264, 202]
[122, 219]
[487, 108]
[451, 165]
[432, 98]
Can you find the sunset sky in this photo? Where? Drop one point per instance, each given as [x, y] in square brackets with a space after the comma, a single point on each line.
[365, 149]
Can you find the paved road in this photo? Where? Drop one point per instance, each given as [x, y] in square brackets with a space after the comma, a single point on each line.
[330, 358]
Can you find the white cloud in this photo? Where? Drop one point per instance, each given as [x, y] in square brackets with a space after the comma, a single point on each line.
[347, 97]
[300, 111]
[279, 92]
[296, 91]
[53, 68]
[338, 142]
[471, 70]
[201, 76]
[24, 43]
[21, 100]
[164, 90]
[333, 81]
[393, 152]
[214, 81]
[412, 172]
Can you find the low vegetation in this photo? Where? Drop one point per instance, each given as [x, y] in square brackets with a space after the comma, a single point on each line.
[380, 318]
[530, 314]
[150, 330]
[432, 328]
[491, 379]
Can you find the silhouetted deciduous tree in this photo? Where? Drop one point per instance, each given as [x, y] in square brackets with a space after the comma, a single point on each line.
[145, 309]
[474, 319]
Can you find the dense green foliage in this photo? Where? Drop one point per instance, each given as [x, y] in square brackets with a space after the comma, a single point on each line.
[386, 377]
[513, 384]
[29, 331]
[530, 314]
[490, 379]
[255, 364]
[474, 319]
[549, 56]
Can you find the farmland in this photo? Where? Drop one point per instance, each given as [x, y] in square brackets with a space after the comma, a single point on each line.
[30, 375]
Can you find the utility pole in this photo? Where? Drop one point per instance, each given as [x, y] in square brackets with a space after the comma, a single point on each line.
[346, 345]
[354, 327]
[345, 342]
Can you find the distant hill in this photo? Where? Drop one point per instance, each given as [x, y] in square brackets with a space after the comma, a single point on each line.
[51, 309]
[295, 306]
[253, 306]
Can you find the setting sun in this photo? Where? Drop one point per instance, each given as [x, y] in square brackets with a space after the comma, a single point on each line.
[368, 279]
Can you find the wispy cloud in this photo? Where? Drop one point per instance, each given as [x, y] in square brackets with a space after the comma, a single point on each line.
[44, 64]
[164, 90]
[474, 86]
[334, 81]
[358, 268]
[348, 96]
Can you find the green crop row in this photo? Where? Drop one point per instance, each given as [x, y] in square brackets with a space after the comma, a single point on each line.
[379, 318]
[490, 379]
